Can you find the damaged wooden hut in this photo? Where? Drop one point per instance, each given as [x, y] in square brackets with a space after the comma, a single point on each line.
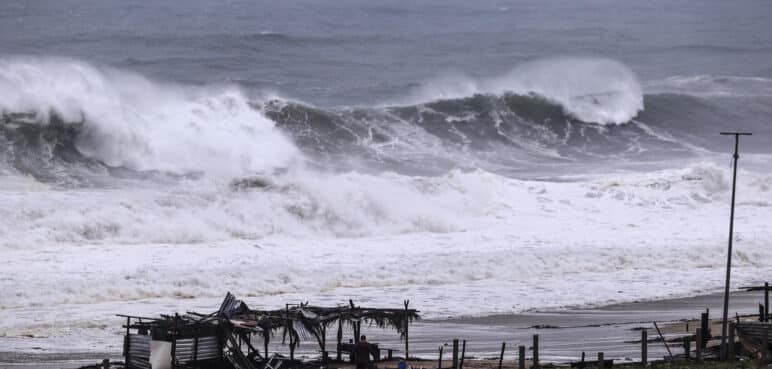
[230, 336]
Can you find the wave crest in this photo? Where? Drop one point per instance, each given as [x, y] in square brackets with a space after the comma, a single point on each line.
[592, 90]
[130, 121]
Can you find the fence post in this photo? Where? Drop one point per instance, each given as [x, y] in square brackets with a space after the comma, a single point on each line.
[535, 351]
[407, 324]
[501, 357]
[698, 346]
[521, 357]
[687, 347]
[730, 348]
[601, 361]
[463, 353]
[765, 344]
[455, 353]
[644, 347]
[439, 362]
[766, 301]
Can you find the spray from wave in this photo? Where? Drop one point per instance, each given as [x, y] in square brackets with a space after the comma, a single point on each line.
[63, 119]
[64, 116]
[125, 120]
[591, 90]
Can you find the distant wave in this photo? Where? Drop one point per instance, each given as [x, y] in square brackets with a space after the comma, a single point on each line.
[592, 90]
[713, 85]
[717, 48]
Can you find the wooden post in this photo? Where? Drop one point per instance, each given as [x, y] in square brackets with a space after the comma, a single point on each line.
[765, 345]
[127, 341]
[725, 319]
[644, 347]
[324, 339]
[601, 361]
[338, 354]
[501, 357]
[407, 338]
[705, 325]
[659, 332]
[455, 353]
[730, 349]
[106, 364]
[766, 301]
[174, 340]
[195, 348]
[581, 363]
[687, 347]
[463, 353]
[354, 324]
[250, 348]
[698, 346]
[439, 363]
[288, 323]
[266, 336]
[521, 357]
[535, 351]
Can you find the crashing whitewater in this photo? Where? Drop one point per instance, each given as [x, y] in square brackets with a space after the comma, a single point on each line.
[121, 191]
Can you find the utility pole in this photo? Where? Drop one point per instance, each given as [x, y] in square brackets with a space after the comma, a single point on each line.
[731, 234]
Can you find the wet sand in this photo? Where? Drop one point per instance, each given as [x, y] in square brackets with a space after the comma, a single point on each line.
[563, 335]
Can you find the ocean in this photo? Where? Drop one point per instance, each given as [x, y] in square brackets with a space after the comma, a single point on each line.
[477, 158]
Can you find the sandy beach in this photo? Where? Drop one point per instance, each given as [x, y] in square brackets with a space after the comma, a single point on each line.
[564, 335]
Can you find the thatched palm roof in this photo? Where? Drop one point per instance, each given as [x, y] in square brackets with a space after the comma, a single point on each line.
[306, 321]
[298, 322]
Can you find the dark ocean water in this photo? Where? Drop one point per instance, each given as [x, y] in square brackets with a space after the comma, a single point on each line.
[346, 52]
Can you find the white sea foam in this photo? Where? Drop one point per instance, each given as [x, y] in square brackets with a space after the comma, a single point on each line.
[593, 90]
[440, 242]
[133, 122]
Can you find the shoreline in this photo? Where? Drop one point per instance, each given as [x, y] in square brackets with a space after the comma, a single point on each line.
[564, 334]
[669, 308]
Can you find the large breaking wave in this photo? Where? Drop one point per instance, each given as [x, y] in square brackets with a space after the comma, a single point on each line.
[56, 111]
[66, 121]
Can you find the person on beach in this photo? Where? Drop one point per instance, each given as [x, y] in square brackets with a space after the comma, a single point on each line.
[362, 352]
